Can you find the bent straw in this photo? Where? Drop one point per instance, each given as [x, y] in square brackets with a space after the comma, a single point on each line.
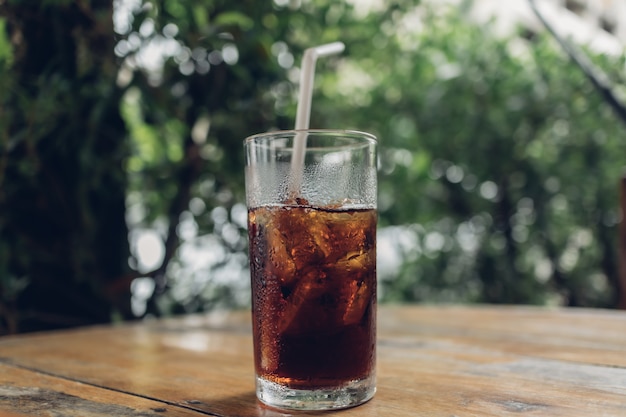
[303, 114]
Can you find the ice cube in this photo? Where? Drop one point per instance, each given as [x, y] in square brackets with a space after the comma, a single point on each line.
[319, 231]
[305, 252]
[281, 263]
[296, 314]
[354, 266]
[308, 238]
[293, 233]
[358, 301]
[355, 272]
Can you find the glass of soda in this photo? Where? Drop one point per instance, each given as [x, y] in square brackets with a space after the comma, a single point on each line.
[312, 236]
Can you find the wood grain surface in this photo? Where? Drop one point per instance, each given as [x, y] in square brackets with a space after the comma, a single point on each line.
[432, 361]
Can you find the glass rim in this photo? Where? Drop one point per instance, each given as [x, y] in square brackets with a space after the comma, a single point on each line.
[367, 137]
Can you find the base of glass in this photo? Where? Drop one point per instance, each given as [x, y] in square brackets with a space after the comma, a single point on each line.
[348, 395]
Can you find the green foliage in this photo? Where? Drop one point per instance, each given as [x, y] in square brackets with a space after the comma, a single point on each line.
[6, 53]
[63, 236]
[498, 160]
[497, 155]
[187, 121]
[503, 154]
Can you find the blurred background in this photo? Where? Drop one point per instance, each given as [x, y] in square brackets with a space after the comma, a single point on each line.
[121, 163]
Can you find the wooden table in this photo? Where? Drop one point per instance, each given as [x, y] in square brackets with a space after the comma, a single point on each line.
[432, 361]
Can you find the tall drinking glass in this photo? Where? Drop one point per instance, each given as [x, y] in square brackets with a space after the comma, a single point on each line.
[312, 234]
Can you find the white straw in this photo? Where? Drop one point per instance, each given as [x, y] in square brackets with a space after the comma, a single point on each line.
[307, 76]
[303, 115]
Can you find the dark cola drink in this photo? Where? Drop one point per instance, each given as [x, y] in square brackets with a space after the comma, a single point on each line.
[313, 274]
[312, 198]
